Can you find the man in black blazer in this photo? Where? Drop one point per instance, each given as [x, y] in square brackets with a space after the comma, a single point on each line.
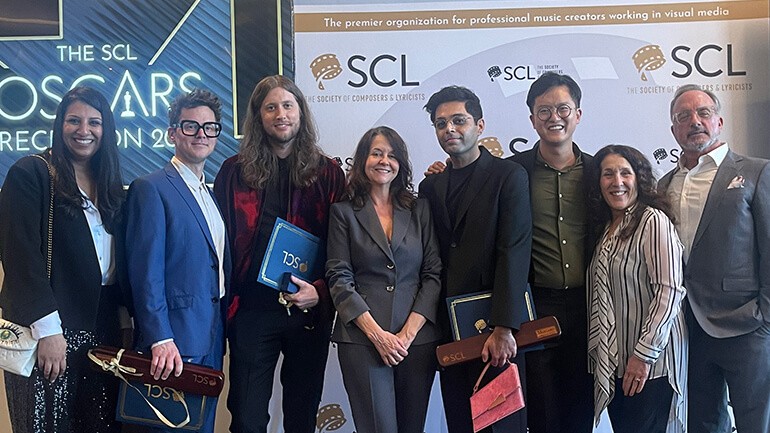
[722, 205]
[481, 212]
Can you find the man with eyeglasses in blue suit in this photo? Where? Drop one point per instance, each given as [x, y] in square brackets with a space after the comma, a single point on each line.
[177, 253]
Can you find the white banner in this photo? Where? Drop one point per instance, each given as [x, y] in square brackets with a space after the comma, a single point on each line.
[361, 65]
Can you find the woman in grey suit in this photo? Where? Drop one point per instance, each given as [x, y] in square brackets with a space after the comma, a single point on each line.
[383, 269]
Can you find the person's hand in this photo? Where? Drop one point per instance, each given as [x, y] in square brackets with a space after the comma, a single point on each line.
[52, 356]
[306, 297]
[166, 360]
[499, 347]
[635, 376]
[391, 349]
[435, 168]
[411, 327]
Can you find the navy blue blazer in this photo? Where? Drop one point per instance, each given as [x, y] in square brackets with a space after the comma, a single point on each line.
[172, 265]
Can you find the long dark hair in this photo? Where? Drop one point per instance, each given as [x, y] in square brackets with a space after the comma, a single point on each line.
[258, 163]
[646, 187]
[401, 189]
[104, 164]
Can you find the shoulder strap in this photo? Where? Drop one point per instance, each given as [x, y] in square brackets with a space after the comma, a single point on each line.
[50, 217]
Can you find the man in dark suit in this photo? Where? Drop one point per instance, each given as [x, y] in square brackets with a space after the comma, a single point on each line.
[559, 392]
[177, 250]
[722, 204]
[481, 212]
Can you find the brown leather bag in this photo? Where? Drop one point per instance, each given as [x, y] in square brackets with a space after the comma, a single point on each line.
[534, 332]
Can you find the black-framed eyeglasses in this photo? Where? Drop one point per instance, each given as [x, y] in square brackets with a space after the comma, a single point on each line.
[191, 128]
[456, 120]
[703, 112]
[545, 113]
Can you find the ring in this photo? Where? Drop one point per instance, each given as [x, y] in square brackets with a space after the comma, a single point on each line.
[637, 380]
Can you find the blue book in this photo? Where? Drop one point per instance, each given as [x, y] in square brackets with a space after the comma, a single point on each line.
[290, 251]
[469, 314]
[134, 406]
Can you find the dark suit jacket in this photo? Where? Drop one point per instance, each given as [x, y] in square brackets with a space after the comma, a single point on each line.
[489, 246]
[76, 280]
[172, 264]
[389, 281]
[727, 274]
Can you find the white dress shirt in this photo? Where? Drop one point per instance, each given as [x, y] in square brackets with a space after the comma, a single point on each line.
[688, 191]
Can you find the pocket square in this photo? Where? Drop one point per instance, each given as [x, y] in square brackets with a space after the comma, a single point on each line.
[737, 182]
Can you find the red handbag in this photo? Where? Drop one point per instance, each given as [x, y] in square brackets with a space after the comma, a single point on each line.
[499, 398]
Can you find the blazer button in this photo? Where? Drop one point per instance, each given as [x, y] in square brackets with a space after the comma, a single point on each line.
[215, 300]
[389, 288]
[453, 245]
[390, 266]
[214, 267]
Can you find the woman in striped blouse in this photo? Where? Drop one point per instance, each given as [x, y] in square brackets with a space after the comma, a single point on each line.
[637, 340]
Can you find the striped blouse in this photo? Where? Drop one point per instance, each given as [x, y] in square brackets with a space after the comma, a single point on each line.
[644, 275]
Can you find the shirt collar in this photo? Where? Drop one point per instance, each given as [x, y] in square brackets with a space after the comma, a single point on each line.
[575, 150]
[187, 175]
[717, 155]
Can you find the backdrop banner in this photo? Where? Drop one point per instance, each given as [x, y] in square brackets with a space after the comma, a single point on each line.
[362, 65]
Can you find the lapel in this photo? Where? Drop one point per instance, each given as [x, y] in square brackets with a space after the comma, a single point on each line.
[400, 226]
[184, 192]
[367, 218]
[728, 169]
[441, 185]
[475, 184]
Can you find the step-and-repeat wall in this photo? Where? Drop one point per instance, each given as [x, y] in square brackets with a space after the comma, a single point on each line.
[363, 64]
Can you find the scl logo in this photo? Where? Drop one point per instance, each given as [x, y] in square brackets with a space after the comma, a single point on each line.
[509, 73]
[385, 70]
[710, 54]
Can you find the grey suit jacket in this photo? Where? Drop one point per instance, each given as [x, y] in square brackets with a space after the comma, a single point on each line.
[389, 281]
[727, 275]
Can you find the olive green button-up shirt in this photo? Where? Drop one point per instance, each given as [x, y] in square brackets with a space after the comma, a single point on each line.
[559, 228]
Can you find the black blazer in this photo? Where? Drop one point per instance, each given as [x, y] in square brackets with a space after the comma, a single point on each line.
[75, 286]
[489, 246]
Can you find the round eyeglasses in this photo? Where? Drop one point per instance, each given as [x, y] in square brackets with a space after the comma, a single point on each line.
[545, 113]
[191, 128]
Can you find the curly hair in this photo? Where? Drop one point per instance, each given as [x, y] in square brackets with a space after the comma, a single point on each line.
[104, 164]
[646, 186]
[255, 156]
[401, 189]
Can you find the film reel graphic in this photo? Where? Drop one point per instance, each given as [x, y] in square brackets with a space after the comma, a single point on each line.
[648, 58]
[493, 146]
[325, 67]
[329, 418]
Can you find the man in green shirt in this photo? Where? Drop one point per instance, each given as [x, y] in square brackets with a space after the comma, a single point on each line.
[559, 388]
